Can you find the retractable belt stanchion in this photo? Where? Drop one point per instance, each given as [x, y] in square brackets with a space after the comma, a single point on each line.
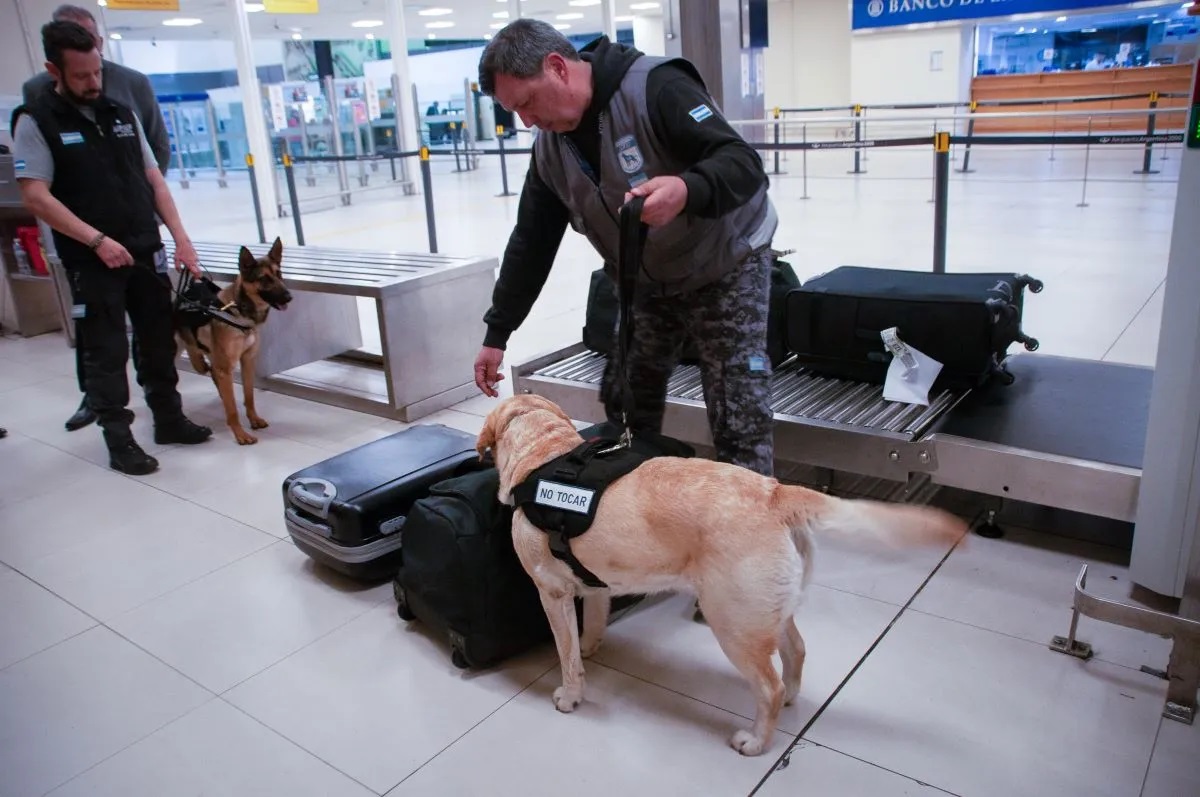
[427, 187]
[262, 234]
[941, 146]
[503, 164]
[290, 176]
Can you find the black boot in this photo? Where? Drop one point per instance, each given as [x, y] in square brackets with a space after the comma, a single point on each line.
[180, 430]
[82, 417]
[126, 456]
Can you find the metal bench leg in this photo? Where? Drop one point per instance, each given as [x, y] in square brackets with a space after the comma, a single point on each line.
[1183, 671]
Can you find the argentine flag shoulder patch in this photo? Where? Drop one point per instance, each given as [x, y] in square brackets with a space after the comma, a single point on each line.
[19, 166]
[700, 113]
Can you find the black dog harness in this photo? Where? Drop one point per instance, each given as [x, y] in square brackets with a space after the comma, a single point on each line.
[562, 496]
[197, 303]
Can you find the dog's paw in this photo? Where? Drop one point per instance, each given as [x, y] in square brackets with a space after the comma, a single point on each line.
[789, 693]
[746, 743]
[244, 438]
[566, 699]
[257, 422]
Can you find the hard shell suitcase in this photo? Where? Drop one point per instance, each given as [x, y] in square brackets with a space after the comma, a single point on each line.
[348, 511]
[964, 321]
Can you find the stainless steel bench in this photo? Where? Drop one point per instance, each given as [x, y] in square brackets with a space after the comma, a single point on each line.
[429, 309]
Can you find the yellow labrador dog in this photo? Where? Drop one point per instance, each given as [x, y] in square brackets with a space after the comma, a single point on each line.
[740, 541]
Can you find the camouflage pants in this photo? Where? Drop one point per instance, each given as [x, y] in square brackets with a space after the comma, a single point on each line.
[728, 321]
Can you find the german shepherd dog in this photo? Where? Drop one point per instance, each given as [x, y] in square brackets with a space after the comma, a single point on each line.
[258, 288]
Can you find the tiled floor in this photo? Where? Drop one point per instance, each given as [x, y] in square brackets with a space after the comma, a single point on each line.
[161, 635]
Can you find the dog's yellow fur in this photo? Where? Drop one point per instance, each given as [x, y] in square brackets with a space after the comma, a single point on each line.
[740, 541]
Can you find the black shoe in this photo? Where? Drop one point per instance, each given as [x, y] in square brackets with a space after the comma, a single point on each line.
[128, 457]
[181, 431]
[82, 417]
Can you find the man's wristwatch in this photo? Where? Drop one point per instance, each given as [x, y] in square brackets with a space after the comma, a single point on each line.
[95, 242]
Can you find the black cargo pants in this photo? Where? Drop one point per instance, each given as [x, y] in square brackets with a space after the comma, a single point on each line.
[104, 296]
[728, 321]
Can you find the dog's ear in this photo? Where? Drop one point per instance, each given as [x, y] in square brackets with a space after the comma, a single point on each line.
[276, 253]
[246, 262]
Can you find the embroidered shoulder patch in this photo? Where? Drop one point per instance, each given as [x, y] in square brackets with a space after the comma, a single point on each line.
[700, 113]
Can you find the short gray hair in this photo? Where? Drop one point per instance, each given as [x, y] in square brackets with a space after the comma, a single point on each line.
[519, 51]
[70, 13]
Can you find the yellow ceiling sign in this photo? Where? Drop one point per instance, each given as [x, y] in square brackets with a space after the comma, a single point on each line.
[143, 5]
[290, 6]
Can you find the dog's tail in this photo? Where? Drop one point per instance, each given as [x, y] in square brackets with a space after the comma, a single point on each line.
[809, 513]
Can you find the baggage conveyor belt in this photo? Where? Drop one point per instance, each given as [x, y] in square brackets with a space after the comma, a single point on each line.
[1067, 434]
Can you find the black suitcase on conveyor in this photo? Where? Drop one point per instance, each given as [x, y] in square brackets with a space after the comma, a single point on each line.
[348, 511]
[964, 321]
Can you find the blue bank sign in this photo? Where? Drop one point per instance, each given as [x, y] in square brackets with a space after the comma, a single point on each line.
[886, 13]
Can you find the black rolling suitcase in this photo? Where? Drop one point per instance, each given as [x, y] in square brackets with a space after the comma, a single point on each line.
[348, 511]
[461, 577]
[964, 321]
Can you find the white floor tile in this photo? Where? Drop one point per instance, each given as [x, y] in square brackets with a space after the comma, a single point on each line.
[858, 567]
[236, 622]
[816, 771]
[628, 737]
[661, 644]
[975, 712]
[1023, 584]
[217, 751]
[29, 468]
[392, 684]
[74, 705]
[1175, 765]
[32, 618]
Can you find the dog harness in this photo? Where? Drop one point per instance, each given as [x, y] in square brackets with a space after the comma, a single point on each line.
[562, 496]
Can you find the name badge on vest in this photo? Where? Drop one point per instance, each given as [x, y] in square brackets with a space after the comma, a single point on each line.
[72, 138]
[631, 160]
[564, 496]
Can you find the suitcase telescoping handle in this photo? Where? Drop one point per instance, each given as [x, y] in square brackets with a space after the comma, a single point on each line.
[316, 500]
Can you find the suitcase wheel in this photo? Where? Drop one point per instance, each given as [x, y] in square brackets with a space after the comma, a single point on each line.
[402, 609]
[1032, 344]
[459, 659]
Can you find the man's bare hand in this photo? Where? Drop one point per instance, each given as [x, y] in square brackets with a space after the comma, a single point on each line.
[665, 199]
[185, 255]
[487, 370]
[113, 254]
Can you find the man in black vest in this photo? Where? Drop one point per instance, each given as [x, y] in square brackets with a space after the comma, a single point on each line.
[132, 89]
[616, 123]
[85, 169]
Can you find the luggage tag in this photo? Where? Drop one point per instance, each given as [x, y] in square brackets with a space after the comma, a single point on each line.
[911, 373]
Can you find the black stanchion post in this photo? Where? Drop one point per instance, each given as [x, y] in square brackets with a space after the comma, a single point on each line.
[804, 157]
[392, 163]
[941, 147]
[1150, 122]
[262, 234]
[454, 143]
[776, 171]
[966, 167]
[503, 164]
[427, 186]
[857, 139]
[290, 174]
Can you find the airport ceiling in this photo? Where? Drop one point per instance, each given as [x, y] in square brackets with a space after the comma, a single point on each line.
[356, 19]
